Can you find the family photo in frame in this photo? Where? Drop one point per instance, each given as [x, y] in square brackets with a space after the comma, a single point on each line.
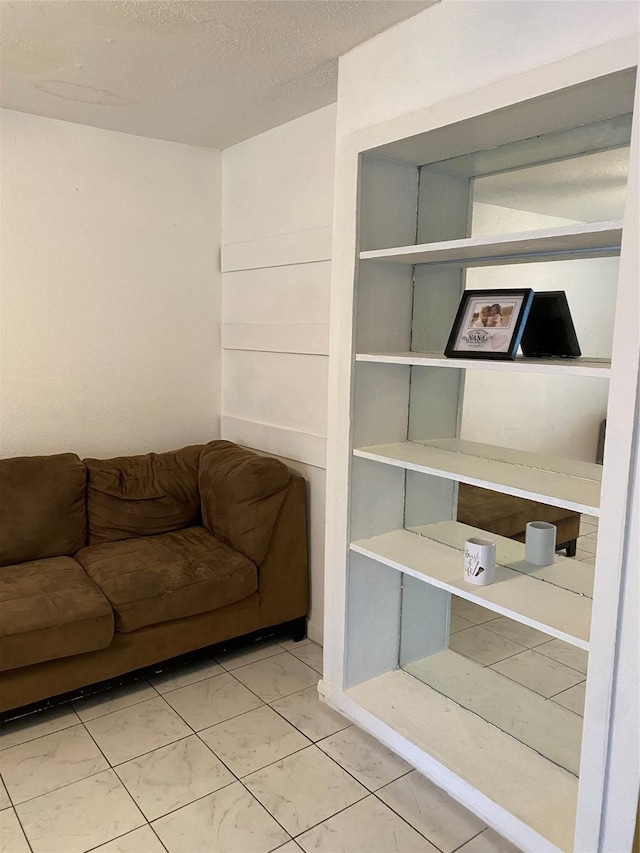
[489, 324]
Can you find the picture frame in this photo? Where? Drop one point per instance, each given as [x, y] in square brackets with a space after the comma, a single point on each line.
[489, 324]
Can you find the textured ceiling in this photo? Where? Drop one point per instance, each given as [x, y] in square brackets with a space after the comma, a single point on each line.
[211, 72]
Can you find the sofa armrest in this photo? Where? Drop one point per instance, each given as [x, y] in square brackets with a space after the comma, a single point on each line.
[241, 495]
[283, 577]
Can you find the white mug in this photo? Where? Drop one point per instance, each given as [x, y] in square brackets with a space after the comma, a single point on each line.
[479, 561]
[540, 543]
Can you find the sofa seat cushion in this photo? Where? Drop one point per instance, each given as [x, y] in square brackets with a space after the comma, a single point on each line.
[155, 579]
[50, 609]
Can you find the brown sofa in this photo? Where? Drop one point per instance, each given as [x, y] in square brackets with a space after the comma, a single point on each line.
[109, 566]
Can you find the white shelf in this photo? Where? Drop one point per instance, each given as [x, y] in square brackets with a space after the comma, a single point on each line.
[552, 480]
[552, 599]
[600, 368]
[550, 729]
[598, 239]
[512, 775]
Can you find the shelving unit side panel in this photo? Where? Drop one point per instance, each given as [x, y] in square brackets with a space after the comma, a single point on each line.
[372, 422]
[436, 398]
[443, 206]
[373, 620]
[384, 300]
[377, 498]
[424, 628]
[388, 202]
[428, 499]
[436, 298]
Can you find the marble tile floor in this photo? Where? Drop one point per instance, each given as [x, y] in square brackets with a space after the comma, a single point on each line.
[233, 755]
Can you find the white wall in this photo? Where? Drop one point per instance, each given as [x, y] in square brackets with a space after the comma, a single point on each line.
[110, 291]
[277, 199]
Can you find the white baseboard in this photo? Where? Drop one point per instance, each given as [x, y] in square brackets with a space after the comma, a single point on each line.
[315, 632]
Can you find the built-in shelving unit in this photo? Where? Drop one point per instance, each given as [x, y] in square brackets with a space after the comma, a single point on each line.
[402, 420]
[599, 239]
[550, 729]
[434, 555]
[560, 482]
[599, 368]
[499, 766]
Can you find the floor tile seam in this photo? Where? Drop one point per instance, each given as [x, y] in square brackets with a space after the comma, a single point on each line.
[211, 793]
[178, 714]
[348, 772]
[562, 663]
[415, 829]
[68, 785]
[277, 699]
[221, 760]
[272, 763]
[519, 683]
[196, 681]
[123, 835]
[565, 689]
[134, 757]
[493, 663]
[150, 751]
[24, 832]
[262, 660]
[560, 705]
[37, 737]
[153, 820]
[60, 787]
[211, 725]
[279, 651]
[284, 758]
[331, 816]
[528, 648]
[123, 708]
[270, 705]
[271, 815]
[513, 654]
[460, 849]
[60, 732]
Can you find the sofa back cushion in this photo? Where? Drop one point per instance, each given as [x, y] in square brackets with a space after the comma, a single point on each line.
[241, 495]
[133, 496]
[42, 507]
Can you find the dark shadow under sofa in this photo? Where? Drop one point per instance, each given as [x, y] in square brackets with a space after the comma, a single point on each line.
[110, 566]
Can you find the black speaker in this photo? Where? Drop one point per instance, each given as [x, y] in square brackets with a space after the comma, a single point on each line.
[549, 332]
